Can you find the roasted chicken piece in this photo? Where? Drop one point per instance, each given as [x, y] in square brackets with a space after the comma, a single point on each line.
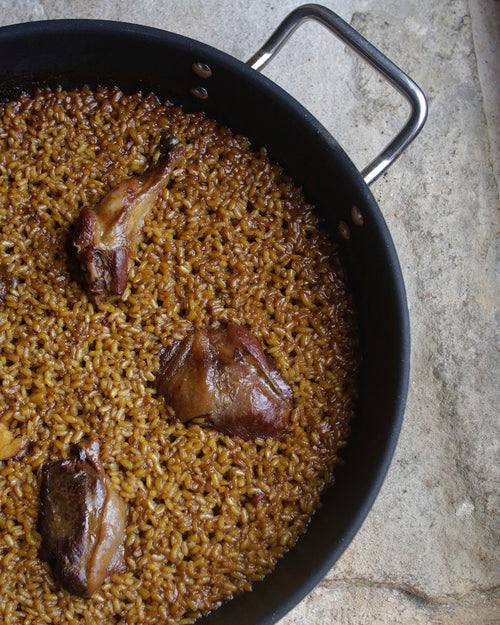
[222, 374]
[12, 447]
[105, 238]
[82, 521]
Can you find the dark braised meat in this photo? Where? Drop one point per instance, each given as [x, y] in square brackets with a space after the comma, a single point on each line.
[223, 375]
[82, 521]
[105, 238]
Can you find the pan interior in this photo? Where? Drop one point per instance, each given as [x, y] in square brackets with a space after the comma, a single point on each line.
[70, 54]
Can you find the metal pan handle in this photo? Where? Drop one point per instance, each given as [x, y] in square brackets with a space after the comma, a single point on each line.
[395, 76]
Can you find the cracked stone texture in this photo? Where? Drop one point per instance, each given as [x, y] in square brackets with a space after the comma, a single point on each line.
[428, 551]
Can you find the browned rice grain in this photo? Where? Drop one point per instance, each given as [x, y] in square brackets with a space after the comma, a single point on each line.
[231, 239]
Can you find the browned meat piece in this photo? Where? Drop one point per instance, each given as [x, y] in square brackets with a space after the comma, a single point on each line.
[105, 237]
[12, 447]
[223, 375]
[82, 521]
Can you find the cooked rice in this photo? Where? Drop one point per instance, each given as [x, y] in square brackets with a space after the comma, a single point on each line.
[231, 239]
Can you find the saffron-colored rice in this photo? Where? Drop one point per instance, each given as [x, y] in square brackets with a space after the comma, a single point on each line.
[231, 239]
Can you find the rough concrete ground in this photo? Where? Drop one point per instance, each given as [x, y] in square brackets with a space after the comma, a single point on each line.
[428, 552]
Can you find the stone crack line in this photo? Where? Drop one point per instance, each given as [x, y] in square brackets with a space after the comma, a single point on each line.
[469, 596]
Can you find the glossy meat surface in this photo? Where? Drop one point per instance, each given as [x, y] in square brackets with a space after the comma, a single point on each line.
[82, 521]
[105, 238]
[223, 375]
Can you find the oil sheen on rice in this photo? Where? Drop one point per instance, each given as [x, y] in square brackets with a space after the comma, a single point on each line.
[230, 239]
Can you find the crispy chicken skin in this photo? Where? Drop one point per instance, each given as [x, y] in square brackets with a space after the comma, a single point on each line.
[82, 521]
[223, 375]
[104, 238]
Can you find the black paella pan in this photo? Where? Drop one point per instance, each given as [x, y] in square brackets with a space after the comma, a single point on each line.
[74, 53]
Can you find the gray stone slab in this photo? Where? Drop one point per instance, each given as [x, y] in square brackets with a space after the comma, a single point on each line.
[485, 23]
[428, 552]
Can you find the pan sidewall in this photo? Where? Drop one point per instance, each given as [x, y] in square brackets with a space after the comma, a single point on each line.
[73, 53]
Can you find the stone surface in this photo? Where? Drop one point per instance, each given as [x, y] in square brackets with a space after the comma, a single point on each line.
[428, 551]
[485, 16]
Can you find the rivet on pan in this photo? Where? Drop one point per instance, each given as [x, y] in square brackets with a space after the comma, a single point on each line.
[202, 70]
[357, 216]
[199, 92]
[343, 230]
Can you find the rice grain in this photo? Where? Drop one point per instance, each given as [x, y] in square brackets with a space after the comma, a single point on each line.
[231, 239]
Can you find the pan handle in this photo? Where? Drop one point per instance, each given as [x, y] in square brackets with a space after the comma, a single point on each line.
[398, 79]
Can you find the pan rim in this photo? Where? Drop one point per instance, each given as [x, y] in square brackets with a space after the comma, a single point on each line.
[280, 606]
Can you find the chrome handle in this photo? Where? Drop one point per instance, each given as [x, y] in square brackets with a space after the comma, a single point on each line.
[395, 76]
